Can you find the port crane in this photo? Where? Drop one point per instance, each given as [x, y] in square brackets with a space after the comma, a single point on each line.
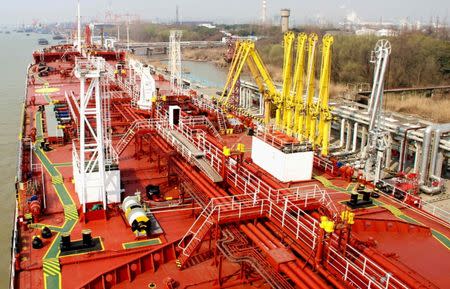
[246, 52]
[309, 120]
[296, 99]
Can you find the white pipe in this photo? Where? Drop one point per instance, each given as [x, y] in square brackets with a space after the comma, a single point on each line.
[349, 136]
[437, 139]
[355, 137]
[417, 156]
[354, 143]
[438, 128]
[342, 139]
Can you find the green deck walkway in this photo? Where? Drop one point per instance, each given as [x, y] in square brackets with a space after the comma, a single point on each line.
[51, 265]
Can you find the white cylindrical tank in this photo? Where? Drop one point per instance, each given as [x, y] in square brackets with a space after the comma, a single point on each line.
[135, 215]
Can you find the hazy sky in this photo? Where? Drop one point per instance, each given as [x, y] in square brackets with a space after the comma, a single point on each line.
[24, 11]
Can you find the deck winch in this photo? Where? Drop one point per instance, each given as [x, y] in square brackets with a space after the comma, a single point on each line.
[136, 215]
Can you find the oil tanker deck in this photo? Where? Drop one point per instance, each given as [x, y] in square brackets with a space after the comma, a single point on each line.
[124, 182]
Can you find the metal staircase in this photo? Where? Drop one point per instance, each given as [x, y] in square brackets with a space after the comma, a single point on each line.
[126, 139]
[219, 211]
[124, 85]
[203, 224]
[221, 121]
[131, 132]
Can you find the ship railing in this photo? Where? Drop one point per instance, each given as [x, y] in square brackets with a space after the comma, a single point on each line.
[90, 65]
[358, 269]
[201, 120]
[212, 153]
[163, 130]
[424, 208]
[354, 267]
[222, 210]
[305, 193]
[14, 249]
[277, 139]
[324, 165]
[436, 211]
[198, 138]
[124, 85]
[37, 168]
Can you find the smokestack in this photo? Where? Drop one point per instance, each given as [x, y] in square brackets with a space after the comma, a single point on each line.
[79, 28]
[285, 13]
[264, 12]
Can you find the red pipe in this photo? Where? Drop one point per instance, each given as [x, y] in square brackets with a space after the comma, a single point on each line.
[299, 272]
[196, 178]
[302, 252]
[283, 267]
[277, 242]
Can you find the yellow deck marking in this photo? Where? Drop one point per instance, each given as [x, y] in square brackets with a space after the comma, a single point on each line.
[47, 90]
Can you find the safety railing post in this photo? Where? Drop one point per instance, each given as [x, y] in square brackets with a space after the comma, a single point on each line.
[284, 213]
[346, 271]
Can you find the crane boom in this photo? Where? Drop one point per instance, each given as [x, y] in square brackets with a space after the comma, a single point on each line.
[310, 88]
[298, 87]
[282, 104]
[324, 95]
[247, 53]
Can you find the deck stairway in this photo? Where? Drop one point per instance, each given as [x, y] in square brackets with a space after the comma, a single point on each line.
[131, 132]
[202, 120]
[124, 85]
[221, 121]
[219, 211]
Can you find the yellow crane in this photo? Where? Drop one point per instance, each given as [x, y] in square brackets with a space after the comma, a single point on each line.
[311, 121]
[320, 112]
[283, 104]
[297, 97]
[310, 88]
[324, 95]
[246, 53]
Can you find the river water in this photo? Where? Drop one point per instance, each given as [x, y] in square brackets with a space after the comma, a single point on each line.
[15, 55]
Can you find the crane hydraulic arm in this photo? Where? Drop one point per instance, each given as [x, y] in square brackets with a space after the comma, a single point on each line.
[297, 97]
[323, 108]
[246, 53]
[282, 104]
[310, 86]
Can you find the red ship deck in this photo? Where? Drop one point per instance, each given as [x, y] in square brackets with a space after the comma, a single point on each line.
[402, 240]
